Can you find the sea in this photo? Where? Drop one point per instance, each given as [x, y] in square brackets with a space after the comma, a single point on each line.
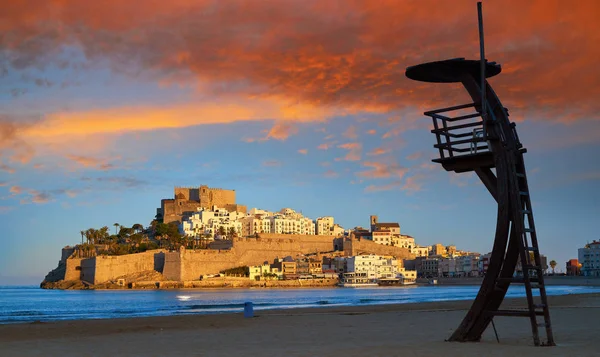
[24, 304]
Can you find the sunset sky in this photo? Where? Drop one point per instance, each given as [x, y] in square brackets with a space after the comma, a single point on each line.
[106, 105]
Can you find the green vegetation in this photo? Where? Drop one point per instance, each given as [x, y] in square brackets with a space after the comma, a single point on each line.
[553, 265]
[237, 271]
[137, 239]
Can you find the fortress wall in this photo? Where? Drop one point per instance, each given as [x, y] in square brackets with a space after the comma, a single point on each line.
[88, 270]
[66, 252]
[110, 267]
[221, 197]
[190, 264]
[73, 269]
[172, 266]
[353, 246]
[201, 262]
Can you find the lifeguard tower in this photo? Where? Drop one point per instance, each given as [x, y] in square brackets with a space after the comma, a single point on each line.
[478, 136]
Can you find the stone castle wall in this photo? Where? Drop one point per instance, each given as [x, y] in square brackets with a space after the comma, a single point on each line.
[72, 269]
[357, 246]
[103, 268]
[190, 265]
[187, 265]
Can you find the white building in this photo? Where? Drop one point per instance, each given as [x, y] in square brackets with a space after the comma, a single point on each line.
[468, 265]
[589, 258]
[419, 251]
[264, 272]
[324, 225]
[371, 267]
[404, 241]
[286, 221]
[208, 223]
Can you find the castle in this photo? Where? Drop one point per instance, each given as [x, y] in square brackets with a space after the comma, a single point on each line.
[187, 200]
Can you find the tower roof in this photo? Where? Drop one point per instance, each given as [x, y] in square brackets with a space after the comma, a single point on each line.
[451, 70]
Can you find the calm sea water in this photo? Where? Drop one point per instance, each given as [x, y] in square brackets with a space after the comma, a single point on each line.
[26, 304]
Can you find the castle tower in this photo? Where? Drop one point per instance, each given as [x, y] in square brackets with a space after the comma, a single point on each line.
[374, 221]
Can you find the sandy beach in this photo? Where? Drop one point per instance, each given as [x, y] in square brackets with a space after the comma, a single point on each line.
[384, 330]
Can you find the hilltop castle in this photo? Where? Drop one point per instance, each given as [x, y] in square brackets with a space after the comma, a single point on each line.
[187, 200]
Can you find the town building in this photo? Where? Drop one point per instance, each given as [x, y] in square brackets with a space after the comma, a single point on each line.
[438, 249]
[287, 266]
[371, 267]
[589, 258]
[430, 267]
[286, 221]
[394, 228]
[419, 251]
[573, 267]
[382, 236]
[207, 223]
[404, 241]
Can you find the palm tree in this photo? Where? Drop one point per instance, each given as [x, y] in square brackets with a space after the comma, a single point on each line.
[82, 234]
[553, 265]
[232, 232]
[138, 228]
[116, 227]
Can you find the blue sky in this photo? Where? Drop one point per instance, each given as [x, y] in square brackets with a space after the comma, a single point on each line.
[101, 116]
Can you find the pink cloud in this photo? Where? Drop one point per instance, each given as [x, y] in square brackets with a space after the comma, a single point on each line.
[372, 132]
[303, 151]
[354, 151]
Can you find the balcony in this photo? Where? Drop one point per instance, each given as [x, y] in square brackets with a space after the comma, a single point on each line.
[460, 138]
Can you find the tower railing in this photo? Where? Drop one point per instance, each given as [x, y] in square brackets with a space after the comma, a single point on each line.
[458, 134]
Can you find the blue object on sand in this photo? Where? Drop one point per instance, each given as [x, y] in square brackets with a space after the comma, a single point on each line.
[248, 309]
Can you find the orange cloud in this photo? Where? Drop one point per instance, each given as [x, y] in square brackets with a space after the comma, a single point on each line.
[87, 161]
[282, 130]
[415, 156]
[352, 56]
[372, 132]
[380, 170]
[303, 151]
[7, 168]
[354, 151]
[377, 151]
[324, 146]
[16, 190]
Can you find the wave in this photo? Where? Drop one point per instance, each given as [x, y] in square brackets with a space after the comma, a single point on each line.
[374, 300]
[25, 313]
[223, 306]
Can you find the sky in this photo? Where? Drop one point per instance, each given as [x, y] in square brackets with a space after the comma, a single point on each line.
[105, 106]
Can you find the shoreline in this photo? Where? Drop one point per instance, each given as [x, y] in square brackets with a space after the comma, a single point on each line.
[244, 283]
[392, 329]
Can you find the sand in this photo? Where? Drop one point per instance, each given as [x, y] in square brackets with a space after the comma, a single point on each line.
[384, 330]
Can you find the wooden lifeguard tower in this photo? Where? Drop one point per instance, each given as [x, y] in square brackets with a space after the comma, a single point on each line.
[479, 137]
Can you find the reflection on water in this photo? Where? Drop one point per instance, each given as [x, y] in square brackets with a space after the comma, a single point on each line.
[22, 304]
